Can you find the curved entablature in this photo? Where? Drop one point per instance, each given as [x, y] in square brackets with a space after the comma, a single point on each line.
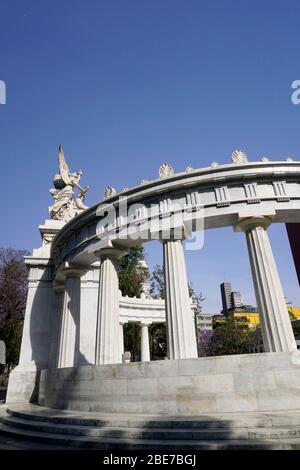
[204, 198]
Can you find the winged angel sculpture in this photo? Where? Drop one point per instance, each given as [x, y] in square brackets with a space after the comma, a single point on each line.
[66, 204]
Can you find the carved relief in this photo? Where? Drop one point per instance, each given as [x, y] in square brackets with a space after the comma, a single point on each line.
[222, 196]
[251, 192]
[280, 190]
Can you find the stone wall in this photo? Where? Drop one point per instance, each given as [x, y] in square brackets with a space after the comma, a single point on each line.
[251, 382]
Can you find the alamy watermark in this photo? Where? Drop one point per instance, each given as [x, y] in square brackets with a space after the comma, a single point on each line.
[165, 220]
[295, 96]
[2, 92]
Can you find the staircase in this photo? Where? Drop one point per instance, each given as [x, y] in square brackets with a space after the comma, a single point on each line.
[280, 430]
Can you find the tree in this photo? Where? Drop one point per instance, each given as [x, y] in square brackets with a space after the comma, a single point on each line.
[157, 288]
[158, 343]
[157, 280]
[229, 338]
[132, 274]
[13, 295]
[197, 299]
[204, 339]
[157, 291]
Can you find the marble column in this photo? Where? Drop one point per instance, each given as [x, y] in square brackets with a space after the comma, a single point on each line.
[181, 335]
[59, 289]
[276, 326]
[70, 321]
[145, 346]
[108, 329]
[121, 339]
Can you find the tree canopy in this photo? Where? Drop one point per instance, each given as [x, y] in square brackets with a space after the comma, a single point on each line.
[228, 338]
[131, 273]
[13, 295]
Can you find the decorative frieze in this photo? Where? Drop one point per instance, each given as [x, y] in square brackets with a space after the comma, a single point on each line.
[222, 196]
[193, 199]
[280, 190]
[251, 193]
[165, 206]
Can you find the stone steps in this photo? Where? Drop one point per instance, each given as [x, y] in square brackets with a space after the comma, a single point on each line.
[131, 444]
[108, 431]
[159, 433]
[216, 420]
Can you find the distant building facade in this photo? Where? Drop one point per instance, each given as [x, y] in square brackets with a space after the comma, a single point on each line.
[205, 321]
[246, 316]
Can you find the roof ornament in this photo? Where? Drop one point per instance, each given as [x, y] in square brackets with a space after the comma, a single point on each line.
[166, 170]
[109, 192]
[239, 156]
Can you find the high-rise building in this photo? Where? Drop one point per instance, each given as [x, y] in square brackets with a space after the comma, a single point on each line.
[226, 297]
[237, 300]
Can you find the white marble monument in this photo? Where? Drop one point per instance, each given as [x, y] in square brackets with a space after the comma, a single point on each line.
[73, 343]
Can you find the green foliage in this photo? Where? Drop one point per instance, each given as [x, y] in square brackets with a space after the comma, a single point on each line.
[131, 275]
[158, 341]
[157, 279]
[296, 327]
[197, 299]
[132, 339]
[13, 294]
[229, 338]
[11, 334]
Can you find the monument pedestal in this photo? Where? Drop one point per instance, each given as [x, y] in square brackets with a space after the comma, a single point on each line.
[239, 383]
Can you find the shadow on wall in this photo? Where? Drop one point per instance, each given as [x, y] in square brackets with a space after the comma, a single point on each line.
[46, 316]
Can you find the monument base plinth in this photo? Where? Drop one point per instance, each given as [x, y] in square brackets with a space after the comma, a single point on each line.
[240, 383]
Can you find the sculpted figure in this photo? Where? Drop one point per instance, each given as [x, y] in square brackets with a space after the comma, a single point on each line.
[66, 204]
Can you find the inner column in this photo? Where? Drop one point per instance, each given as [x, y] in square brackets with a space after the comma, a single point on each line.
[181, 335]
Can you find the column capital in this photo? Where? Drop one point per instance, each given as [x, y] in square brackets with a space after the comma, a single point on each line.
[111, 250]
[71, 270]
[58, 287]
[174, 234]
[145, 322]
[247, 223]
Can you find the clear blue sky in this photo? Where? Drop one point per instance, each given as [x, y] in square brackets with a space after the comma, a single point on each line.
[124, 85]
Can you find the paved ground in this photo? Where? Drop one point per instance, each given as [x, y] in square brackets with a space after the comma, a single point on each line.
[9, 443]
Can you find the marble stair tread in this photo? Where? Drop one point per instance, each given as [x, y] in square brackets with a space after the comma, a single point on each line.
[257, 419]
[111, 443]
[156, 433]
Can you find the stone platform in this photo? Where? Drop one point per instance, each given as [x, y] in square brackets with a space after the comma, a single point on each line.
[241, 383]
[247, 401]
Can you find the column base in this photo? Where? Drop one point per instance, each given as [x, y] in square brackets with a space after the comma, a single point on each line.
[23, 385]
